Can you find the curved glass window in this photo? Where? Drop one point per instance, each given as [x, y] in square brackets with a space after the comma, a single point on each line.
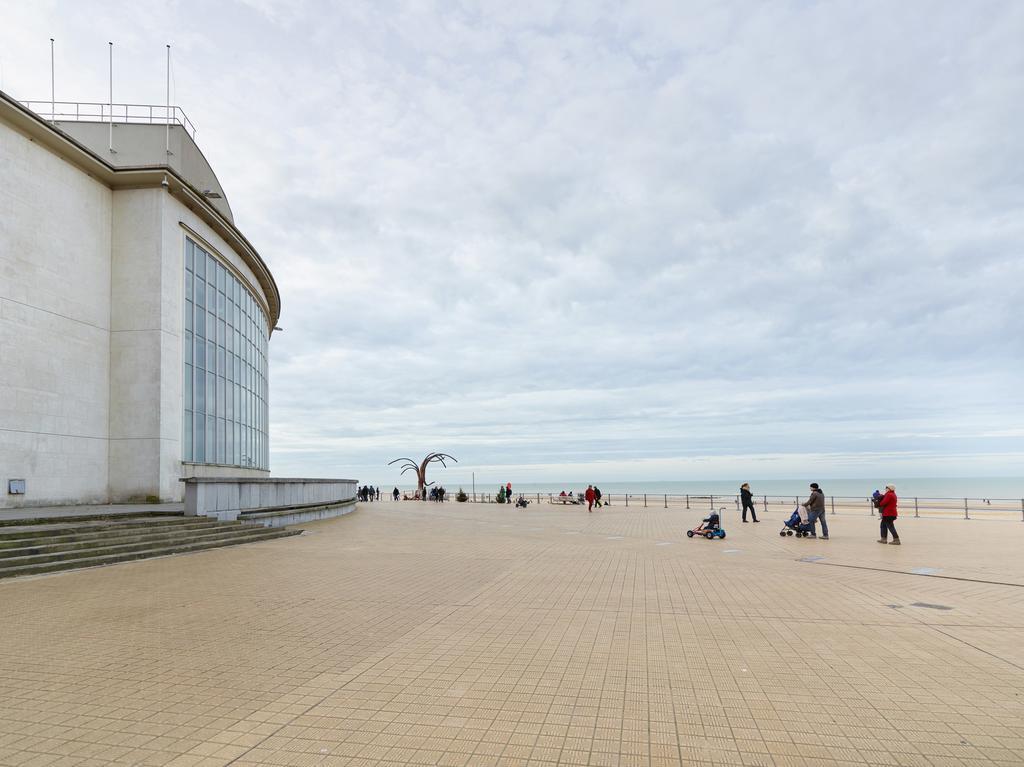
[225, 380]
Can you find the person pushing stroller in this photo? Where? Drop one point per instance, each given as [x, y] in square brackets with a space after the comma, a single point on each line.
[815, 506]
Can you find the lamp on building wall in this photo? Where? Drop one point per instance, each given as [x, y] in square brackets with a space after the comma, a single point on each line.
[211, 195]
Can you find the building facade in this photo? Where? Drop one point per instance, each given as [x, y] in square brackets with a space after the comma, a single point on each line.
[134, 315]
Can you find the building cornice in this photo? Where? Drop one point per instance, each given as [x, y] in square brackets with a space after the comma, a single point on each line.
[142, 177]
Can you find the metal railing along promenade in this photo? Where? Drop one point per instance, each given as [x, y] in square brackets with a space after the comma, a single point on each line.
[119, 114]
[963, 508]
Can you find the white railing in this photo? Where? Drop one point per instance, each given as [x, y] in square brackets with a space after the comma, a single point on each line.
[88, 111]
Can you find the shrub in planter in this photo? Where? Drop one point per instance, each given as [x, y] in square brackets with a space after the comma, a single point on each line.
[461, 496]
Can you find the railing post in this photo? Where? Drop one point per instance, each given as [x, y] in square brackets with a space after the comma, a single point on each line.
[666, 500]
[871, 507]
[833, 498]
[645, 500]
[538, 499]
[966, 514]
[1022, 509]
[627, 500]
[688, 500]
[766, 504]
[915, 509]
[712, 502]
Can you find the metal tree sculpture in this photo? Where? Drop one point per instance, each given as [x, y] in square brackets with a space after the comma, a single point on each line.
[421, 469]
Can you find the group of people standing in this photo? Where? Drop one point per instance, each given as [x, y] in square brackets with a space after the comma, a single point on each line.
[367, 493]
[886, 503]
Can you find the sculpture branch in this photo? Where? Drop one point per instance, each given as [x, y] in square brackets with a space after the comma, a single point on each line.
[421, 468]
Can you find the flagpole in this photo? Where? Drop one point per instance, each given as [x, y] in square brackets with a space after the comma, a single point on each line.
[167, 114]
[110, 117]
[53, 102]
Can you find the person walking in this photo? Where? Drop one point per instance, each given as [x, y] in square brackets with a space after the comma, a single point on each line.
[597, 497]
[887, 510]
[815, 506]
[589, 495]
[394, 493]
[508, 492]
[748, 501]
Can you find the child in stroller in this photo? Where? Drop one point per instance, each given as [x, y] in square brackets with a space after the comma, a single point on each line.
[797, 523]
[521, 503]
[709, 528]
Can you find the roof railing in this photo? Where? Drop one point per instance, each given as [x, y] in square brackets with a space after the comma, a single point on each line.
[122, 114]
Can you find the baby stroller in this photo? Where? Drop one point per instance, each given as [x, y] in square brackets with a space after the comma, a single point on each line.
[709, 528]
[798, 524]
[521, 503]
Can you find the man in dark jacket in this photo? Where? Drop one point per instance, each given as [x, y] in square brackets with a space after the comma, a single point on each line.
[747, 498]
[815, 506]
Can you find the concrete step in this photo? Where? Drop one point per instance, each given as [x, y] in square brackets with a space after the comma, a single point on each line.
[145, 539]
[66, 527]
[261, 534]
[70, 535]
[152, 515]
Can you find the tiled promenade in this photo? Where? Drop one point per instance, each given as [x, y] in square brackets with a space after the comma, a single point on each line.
[415, 634]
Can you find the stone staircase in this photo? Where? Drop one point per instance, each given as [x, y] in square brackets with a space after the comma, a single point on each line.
[34, 546]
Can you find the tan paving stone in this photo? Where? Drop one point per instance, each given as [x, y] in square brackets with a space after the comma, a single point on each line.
[413, 634]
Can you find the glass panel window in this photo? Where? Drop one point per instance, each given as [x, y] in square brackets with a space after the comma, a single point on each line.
[225, 366]
[199, 454]
[221, 440]
[211, 440]
[186, 445]
[199, 393]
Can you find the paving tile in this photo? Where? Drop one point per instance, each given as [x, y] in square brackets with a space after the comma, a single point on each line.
[462, 634]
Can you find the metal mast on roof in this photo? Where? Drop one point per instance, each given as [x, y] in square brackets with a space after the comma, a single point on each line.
[111, 104]
[53, 103]
[167, 114]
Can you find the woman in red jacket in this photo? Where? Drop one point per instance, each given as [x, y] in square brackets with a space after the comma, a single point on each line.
[887, 509]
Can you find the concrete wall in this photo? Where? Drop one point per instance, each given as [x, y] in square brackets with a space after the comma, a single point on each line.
[138, 145]
[91, 305]
[229, 497]
[55, 241]
[147, 326]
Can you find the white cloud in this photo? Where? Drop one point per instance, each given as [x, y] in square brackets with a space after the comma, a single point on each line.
[668, 238]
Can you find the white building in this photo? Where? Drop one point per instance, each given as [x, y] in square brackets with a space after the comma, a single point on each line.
[134, 315]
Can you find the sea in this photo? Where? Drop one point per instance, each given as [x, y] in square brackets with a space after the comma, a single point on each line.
[992, 488]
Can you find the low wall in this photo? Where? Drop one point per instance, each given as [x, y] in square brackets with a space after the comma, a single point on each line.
[227, 497]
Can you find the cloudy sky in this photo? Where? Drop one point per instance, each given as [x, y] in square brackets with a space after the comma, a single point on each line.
[639, 240]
